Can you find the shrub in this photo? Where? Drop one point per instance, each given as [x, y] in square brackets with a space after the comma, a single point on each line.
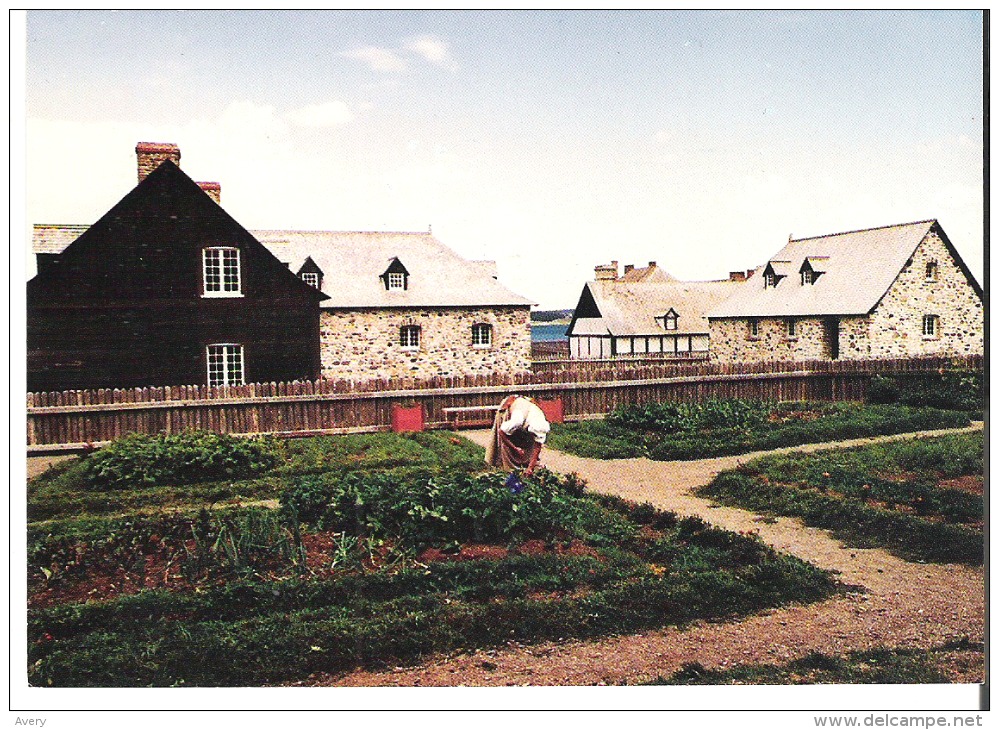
[953, 390]
[139, 460]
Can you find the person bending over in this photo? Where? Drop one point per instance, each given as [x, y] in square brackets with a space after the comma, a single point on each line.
[519, 431]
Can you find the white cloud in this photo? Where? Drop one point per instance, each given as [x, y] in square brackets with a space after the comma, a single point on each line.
[379, 59]
[431, 49]
[397, 60]
[330, 114]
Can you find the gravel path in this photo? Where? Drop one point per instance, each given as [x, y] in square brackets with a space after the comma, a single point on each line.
[897, 603]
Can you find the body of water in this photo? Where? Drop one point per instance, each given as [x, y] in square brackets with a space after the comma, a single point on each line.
[548, 332]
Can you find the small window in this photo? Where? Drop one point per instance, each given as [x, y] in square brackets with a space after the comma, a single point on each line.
[769, 280]
[754, 328]
[792, 328]
[482, 335]
[931, 325]
[225, 365]
[807, 277]
[396, 281]
[669, 321]
[409, 337]
[311, 278]
[222, 276]
[931, 271]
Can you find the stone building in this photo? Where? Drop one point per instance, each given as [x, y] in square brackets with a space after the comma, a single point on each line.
[404, 304]
[645, 312]
[132, 300]
[893, 291]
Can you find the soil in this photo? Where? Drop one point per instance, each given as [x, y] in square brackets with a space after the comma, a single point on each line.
[893, 603]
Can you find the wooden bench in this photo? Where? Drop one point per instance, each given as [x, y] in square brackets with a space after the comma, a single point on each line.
[453, 416]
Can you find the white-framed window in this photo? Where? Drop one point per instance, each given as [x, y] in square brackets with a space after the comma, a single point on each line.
[669, 320]
[792, 328]
[396, 281]
[409, 337]
[754, 328]
[931, 325]
[482, 335]
[225, 365]
[931, 271]
[807, 277]
[769, 280]
[311, 278]
[222, 276]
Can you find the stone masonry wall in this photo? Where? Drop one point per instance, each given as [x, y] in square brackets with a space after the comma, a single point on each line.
[732, 342]
[896, 328]
[362, 344]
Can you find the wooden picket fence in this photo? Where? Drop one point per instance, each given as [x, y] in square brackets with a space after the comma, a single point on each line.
[70, 420]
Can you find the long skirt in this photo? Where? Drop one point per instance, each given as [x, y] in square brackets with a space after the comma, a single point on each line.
[498, 452]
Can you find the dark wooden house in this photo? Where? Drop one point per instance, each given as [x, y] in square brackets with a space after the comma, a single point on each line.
[168, 289]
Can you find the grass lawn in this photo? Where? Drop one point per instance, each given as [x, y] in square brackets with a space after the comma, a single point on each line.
[878, 666]
[919, 499]
[384, 548]
[668, 431]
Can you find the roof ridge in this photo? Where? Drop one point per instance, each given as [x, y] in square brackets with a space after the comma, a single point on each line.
[863, 230]
[381, 233]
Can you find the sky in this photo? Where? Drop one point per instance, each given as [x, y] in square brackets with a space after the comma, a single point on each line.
[547, 141]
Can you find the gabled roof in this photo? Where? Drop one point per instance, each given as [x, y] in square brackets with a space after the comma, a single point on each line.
[858, 269]
[353, 261]
[631, 308]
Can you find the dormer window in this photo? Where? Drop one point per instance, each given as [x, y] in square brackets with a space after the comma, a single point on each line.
[221, 271]
[669, 320]
[311, 274]
[771, 277]
[931, 271]
[809, 273]
[395, 277]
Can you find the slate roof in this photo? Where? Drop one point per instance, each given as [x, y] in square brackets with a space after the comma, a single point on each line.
[858, 269]
[353, 261]
[630, 308]
[53, 238]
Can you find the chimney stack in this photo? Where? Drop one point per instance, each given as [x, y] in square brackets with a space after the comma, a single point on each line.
[749, 273]
[652, 264]
[152, 154]
[629, 267]
[737, 275]
[606, 272]
[213, 189]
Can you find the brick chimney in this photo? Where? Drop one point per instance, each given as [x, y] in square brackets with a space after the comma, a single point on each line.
[606, 272]
[629, 267]
[652, 264]
[749, 273]
[213, 189]
[737, 275]
[152, 154]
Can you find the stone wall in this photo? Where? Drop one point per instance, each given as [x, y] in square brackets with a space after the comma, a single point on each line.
[731, 340]
[896, 328]
[361, 344]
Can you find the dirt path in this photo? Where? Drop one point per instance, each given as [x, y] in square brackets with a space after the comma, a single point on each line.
[897, 604]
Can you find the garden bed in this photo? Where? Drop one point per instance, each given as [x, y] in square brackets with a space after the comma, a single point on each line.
[685, 431]
[920, 499]
[370, 561]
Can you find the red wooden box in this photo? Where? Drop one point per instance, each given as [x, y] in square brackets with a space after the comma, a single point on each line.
[554, 410]
[407, 418]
